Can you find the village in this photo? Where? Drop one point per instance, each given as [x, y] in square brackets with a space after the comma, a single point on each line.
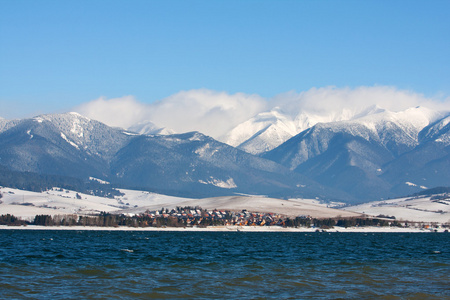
[196, 216]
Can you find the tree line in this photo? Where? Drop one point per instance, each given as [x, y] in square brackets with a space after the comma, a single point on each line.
[112, 220]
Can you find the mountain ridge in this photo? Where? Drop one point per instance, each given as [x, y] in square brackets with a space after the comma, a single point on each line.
[192, 163]
[374, 154]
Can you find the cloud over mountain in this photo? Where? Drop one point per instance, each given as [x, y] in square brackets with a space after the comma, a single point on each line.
[333, 100]
[119, 112]
[215, 113]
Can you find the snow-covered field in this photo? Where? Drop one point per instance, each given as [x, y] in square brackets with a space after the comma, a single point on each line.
[420, 209]
[27, 204]
[291, 207]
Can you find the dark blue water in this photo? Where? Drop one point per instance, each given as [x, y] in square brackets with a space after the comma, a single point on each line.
[217, 265]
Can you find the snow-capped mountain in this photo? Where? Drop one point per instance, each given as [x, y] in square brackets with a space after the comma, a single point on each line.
[428, 164]
[396, 132]
[67, 144]
[189, 164]
[372, 154]
[357, 155]
[262, 133]
[268, 130]
[94, 137]
[197, 164]
[438, 132]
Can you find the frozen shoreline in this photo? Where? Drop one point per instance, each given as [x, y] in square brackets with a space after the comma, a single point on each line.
[229, 229]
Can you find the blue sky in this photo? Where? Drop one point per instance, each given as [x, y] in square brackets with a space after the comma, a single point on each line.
[56, 55]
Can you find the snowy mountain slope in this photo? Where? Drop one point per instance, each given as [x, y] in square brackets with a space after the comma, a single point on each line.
[377, 154]
[268, 130]
[427, 165]
[438, 132]
[186, 164]
[85, 134]
[6, 124]
[66, 144]
[200, 165]
[397, 132]
[261, 133]
[350, 164]
[355, 155]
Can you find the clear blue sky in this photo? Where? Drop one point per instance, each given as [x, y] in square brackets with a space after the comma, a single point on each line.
[57, 54]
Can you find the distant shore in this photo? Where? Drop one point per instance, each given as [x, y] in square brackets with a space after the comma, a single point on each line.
[367, 229]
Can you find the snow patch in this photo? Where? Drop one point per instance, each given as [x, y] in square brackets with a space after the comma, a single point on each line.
[196, 137]
[98, 180]
[29, 133]
[77, 129]
[413, 184]
[69, 141]
[229, 184]
[203, 151]
[129, 133]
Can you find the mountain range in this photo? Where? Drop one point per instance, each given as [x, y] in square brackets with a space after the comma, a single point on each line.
[349, 156]
[189, 164]
[380, 155]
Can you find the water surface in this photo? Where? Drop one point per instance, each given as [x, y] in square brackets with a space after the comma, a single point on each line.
[218, 265]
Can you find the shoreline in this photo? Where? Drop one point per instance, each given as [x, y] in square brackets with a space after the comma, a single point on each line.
[367, 229]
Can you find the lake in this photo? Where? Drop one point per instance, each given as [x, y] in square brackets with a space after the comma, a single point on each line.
[42, 264]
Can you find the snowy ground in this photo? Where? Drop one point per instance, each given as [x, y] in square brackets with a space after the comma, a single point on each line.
[421, 209]
[27, 204]
[291, 207]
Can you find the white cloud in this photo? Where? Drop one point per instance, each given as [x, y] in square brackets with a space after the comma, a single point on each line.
[119, 112]
[215, 113]
[332, 100]
[210, 112]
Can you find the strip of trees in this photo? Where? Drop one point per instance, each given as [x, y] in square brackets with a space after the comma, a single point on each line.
[111, 220]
